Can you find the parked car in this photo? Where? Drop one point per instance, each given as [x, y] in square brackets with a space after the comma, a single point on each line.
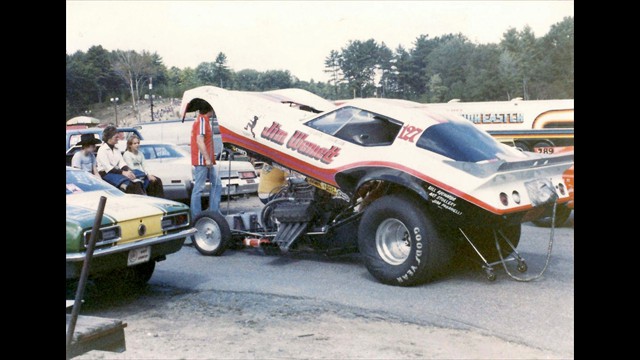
[176, 132]
[135, 231]
[238, 177]
[73, 137]
[416, 185]
[172, 164]
[562, 212]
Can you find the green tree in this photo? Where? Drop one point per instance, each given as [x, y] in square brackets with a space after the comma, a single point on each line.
[78, 84]
[247, 80]
[519, 61]
[205, 73]
[449, 59]
[221, 73]
[133, 69]
[358, 62]
[99, 72]
[275, 79]
[483, 80]
[415, 68]
[332, 66]
[557, 68]
[436, 89]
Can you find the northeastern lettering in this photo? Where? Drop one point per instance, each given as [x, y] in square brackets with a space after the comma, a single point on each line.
[495, 118]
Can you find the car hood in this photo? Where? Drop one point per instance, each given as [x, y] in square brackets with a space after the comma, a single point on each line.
[82, 207]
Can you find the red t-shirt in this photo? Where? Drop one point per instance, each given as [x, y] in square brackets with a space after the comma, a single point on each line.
[201, 126]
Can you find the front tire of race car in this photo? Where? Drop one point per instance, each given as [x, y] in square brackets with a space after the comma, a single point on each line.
[213, 233]
[400, 243]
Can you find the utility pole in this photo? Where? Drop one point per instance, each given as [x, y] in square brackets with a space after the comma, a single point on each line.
[115, 106]
[151, 95]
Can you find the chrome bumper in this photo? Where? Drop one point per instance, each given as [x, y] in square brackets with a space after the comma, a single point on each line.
[133, 245]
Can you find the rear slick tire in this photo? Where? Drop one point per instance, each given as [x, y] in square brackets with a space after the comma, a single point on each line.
[400, 243]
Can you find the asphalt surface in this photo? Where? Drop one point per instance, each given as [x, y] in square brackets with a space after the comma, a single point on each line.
[539, 314]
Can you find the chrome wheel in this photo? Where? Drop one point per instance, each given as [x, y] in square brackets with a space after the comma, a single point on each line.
[209, 236]
[393, 241]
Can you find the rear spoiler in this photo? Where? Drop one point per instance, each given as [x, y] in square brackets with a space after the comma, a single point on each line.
[495, 167]
[533, 163]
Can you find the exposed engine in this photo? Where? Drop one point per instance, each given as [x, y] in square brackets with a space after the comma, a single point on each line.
[300, 210]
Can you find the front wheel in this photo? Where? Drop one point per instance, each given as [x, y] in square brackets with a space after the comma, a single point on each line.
[213, 233]
[400, 243]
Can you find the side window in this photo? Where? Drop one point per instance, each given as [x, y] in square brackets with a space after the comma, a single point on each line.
[148, 152]
[75, 138]
[333, 121]
[162, 152]
[358, 127]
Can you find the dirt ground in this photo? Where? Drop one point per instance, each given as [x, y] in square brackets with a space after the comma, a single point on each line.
[164, 323]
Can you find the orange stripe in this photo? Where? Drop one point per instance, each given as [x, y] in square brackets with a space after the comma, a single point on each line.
[328, 175]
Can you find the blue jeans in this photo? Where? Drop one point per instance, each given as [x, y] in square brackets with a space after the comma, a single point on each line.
[119, 179]
[200, 175]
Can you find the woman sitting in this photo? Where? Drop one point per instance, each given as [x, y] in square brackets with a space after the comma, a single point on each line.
[135, 160]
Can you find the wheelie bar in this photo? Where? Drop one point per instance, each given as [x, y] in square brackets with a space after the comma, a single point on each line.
[487, 266]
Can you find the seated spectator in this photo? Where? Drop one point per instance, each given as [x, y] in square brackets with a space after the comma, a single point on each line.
[113, 168]
[135, 160]
[85, 159]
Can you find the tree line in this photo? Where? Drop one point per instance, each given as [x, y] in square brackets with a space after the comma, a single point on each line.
[434, 69]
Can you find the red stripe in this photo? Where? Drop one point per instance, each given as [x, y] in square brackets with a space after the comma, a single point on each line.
[328, 175]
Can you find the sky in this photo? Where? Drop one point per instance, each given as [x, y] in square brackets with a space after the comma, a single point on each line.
[290, 35]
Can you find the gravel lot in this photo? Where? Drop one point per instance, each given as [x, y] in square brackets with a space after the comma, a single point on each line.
[246, 306]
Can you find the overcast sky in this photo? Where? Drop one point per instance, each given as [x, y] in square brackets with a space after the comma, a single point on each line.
[290, 35]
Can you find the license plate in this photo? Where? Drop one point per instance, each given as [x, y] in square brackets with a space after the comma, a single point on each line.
[139, 256]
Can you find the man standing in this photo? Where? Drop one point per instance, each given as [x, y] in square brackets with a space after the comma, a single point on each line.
[203, 160]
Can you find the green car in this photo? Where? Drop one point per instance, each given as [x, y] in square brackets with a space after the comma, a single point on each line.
[136, 231]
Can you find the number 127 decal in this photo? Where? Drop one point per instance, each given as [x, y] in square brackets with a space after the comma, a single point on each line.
[409, 133]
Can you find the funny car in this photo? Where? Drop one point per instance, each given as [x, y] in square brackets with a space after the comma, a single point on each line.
[408, 187]
[135, 232]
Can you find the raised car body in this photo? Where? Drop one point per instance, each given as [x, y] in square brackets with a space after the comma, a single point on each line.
[440, 176]
[135, 230]
[468, 187]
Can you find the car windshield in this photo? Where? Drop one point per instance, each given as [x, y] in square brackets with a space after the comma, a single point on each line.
[161, 151]
[462, 141]
[81, 181]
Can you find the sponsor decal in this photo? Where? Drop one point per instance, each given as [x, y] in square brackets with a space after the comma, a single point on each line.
[443, 199]
[412, 270]
[274, 133]
[495, 118]
[298, 142]
[251, 124]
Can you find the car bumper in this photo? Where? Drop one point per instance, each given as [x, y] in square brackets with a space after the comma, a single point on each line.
[239, 189]
[113, 258]
[233, 189]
